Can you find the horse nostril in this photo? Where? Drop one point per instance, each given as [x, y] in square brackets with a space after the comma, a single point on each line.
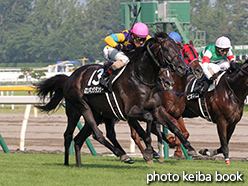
[181, 70]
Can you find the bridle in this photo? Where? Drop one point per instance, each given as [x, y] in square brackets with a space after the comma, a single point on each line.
[228, 85]
[165, 58]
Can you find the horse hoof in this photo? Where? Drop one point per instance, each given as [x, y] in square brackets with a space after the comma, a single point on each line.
[227, 161]
[193, 153]
[203, 152]
[126, 159]
[151, 162]
[155, 155]
[148, 156]
[169, 136]
[160, 159]
[178, 157]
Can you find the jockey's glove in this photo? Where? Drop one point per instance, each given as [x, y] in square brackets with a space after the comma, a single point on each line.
[118, 46]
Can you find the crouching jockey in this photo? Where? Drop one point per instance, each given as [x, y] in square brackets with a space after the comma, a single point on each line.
[214, 59]
[119, 43]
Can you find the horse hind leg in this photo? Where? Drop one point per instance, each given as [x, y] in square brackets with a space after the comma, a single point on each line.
[78, 142]
[73, 118]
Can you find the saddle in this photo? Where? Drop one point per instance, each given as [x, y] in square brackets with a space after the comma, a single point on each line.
[201, 100]
[192, 84]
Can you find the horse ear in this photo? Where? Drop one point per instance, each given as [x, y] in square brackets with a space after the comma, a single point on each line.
[180, 45]
[191, 42]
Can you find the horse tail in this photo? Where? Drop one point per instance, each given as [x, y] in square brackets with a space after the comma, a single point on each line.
[54, 88]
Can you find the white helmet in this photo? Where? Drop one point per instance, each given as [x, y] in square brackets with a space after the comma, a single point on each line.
[223, 42]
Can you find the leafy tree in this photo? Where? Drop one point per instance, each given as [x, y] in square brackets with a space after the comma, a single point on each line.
[26, 73]
[223, 17]
[13, 14]
[37, 74]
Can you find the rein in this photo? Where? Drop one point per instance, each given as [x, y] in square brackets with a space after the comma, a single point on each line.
[167, 61]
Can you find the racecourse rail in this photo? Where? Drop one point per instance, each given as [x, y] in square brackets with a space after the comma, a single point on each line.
[31, 100]
[28, 101]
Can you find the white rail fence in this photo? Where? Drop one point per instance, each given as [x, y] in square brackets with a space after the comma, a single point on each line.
[24, 100]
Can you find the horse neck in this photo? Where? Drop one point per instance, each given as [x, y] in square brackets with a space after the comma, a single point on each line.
[180, 82]
[239, 86]
[146, 71]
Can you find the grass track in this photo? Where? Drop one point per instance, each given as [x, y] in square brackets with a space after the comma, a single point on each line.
[48, 169]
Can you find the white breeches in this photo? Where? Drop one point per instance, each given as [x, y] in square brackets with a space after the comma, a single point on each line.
[222, 65]
[114, 54]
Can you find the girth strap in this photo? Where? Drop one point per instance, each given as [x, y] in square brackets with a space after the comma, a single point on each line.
[114, 105]
[203, 108]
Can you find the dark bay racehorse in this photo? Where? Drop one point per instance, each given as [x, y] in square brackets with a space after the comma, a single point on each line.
[225, 105]
[173, 101]
[136, 91]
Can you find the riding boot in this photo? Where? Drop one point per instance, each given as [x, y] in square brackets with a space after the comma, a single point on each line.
[104, 80]
[203, 85]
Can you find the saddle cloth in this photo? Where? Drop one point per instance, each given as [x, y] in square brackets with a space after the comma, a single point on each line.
[192, 84]
[93, 85]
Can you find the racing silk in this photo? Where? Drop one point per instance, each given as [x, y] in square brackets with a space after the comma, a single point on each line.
[123, 38]
[210, 54]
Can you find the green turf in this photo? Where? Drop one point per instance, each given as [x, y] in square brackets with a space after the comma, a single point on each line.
[48, 169]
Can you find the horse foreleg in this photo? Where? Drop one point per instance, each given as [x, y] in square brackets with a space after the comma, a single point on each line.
[111, 135]
[157, 127]
[138, 132]
[181, 126]
[222, 131]
[136, 139]
[162, 118]
[136, 113]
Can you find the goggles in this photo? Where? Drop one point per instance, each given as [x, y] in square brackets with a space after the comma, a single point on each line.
[139, 39]
[223, 49]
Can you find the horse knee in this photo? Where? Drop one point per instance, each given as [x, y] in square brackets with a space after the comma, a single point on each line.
[186, 134]
[148, 117]
[99, 136]
[67, 139]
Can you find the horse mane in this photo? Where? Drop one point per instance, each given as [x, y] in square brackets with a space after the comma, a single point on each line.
[139, 51]
[234, 66]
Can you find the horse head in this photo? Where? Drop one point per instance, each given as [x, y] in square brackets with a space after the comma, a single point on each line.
[236, 80]
[165, 79]
[166, 53]
[190, 57]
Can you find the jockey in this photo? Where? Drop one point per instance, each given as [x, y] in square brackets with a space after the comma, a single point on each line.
[175, 36]
[188, 59]
[214, 58]
[122, 42]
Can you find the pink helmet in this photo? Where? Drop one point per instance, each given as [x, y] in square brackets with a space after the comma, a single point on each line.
[140, 30]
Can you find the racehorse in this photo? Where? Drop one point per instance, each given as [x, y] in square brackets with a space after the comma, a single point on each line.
[173, 101]
[225, 105]
[136, 91]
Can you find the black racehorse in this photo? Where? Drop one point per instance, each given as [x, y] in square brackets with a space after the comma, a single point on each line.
[225, 105]
[173, 101]
[136, 91]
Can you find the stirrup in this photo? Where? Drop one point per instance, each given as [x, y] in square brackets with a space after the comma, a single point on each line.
[199, 89]
[104, 81]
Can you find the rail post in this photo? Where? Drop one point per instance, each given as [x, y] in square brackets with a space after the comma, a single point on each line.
[3, 144]
[166, 147]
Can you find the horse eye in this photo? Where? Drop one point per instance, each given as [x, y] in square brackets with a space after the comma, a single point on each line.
[187, 55]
